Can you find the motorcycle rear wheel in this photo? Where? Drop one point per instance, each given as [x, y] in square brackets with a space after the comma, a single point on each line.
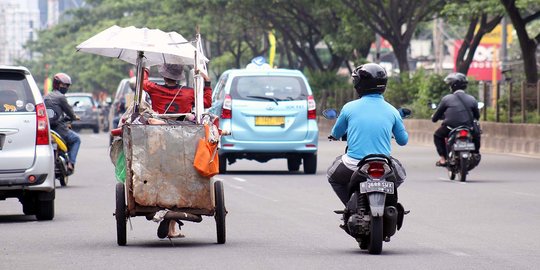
[376, 235]
[463, 168]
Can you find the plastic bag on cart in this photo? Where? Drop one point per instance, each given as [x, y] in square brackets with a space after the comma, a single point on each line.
[120, 169]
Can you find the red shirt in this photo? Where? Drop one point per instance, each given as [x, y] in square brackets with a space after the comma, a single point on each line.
[163, 95]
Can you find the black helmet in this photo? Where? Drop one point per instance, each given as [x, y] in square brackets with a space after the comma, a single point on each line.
[369, 79]
[61, 78]
[456, 81]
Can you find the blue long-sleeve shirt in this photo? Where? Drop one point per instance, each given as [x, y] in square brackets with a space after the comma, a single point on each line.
[370, 123]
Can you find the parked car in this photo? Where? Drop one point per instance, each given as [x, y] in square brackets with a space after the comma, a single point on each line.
[26, 153]
[123, 98]
[87, 108]
[271, 114]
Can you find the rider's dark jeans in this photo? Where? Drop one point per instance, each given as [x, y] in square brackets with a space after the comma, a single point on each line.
[439, 138]
[339, 177]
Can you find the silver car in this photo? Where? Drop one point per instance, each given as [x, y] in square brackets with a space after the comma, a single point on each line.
[26, 154]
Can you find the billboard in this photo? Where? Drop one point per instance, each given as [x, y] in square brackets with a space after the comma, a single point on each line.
[485, 65]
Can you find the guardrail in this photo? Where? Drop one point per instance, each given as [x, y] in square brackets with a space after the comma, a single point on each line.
[496, 137]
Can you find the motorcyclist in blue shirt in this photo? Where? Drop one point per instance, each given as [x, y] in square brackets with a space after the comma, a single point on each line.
[369, 123]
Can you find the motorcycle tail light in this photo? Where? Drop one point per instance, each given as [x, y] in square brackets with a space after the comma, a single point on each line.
[376, 169]
[463, 133]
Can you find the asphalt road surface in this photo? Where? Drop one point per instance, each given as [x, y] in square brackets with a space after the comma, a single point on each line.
[282, 220]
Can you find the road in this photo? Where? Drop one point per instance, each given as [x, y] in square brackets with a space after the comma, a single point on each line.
[281, 220]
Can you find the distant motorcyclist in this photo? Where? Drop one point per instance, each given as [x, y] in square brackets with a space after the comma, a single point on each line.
[369, 122]
[455, 109]
[63, 113]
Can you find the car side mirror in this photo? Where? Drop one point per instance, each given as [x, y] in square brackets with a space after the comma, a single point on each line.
[330, 114]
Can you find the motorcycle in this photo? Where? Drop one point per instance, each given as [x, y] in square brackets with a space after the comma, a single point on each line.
[459, 148]
[372, 214]
[61, 157]
[460, 159]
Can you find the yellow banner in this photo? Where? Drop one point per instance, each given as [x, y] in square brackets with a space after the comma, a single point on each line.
[272, 52]
[495, 36]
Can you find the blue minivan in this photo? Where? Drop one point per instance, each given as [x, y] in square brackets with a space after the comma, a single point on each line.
[271, 113]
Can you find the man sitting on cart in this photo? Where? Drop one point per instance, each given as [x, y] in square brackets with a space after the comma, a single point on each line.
[172, 97]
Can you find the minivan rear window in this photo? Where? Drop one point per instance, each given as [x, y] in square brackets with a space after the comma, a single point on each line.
[277, 88]
[15, 93]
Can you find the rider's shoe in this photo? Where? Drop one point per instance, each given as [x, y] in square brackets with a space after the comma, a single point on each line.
[163, 228]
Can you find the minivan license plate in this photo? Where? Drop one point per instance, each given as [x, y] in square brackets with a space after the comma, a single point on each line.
[269, 120]
[377, 186]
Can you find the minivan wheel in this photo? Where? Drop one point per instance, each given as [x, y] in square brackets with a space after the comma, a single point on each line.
[29, 205]
[45, 210]
[310, 163]
[293, 164]
[96, 129]
[222, 164]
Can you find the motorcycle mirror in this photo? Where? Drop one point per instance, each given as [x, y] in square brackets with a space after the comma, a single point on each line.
[404, 112]
[433, 106]
[481, 105]
[330, 113]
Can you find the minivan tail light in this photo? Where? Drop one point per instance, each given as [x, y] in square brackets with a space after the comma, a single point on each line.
[226, 110]
[42, 125]
[312, 108]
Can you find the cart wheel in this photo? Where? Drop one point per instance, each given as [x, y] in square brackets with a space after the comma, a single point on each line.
[220, 212]
[120, 214]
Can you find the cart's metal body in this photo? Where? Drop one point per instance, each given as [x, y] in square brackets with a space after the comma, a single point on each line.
[160, 176]
[161, 173]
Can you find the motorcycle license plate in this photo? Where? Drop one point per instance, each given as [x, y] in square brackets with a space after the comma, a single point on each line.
[377, 186]
[463, 146]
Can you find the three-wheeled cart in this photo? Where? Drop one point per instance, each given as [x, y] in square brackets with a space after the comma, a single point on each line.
[160, 176]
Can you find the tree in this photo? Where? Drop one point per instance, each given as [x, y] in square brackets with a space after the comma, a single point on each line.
[395, 20]
[521, 13]
[481, 16]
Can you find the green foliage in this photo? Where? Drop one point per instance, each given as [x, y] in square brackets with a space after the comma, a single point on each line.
[329, 89]
[416, 91]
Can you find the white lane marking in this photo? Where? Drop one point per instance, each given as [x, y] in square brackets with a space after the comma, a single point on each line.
[239, 179]
[442, 178]
[524, 193]
[459, 253]
[219, 178]
[234, 186]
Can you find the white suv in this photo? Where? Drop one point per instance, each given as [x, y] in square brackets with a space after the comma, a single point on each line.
[26, 154]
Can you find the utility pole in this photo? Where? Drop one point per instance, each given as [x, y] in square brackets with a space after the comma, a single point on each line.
[438, 46]
[377, 48]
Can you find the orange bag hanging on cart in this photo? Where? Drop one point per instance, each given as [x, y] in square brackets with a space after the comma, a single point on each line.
[206, 160]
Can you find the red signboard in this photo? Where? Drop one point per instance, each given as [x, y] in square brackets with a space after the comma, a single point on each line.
[481, 67]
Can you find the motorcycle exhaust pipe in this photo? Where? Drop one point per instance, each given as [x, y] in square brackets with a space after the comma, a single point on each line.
[390, 221]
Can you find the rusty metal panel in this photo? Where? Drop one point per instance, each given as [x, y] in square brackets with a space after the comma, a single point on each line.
[161, 163]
